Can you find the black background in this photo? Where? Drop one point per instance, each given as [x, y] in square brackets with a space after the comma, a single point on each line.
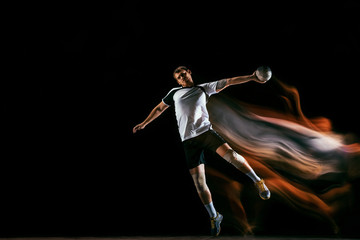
[82, 76]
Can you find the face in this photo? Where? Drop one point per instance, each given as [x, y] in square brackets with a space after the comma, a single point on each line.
[184, 78]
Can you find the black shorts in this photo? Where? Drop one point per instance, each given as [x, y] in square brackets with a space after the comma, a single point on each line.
[195, 147]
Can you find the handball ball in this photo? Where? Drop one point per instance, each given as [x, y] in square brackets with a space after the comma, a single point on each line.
[263, 73]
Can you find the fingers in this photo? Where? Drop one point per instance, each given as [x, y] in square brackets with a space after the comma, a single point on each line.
[256, 79]
[137, 128]
[255, 76]
[259, 81]
[262, 82]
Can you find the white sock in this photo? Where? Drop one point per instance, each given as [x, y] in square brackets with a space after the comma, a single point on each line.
[211, 209]
[253, 176]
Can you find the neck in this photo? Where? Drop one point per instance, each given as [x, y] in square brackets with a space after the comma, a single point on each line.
[188, 85]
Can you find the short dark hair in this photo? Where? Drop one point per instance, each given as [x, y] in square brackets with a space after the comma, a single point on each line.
[178, 69]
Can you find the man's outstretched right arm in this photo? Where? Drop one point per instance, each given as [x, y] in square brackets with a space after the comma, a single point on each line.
[157, 111]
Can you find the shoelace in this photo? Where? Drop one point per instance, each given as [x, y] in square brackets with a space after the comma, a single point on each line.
[212, 220]
[260, 185]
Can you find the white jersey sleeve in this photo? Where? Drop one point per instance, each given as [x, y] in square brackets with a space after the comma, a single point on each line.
[211, 87]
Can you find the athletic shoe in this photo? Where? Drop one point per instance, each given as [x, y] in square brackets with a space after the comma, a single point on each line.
[215, 224]
[264, 192]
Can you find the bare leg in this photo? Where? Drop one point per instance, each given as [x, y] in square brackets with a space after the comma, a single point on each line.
[198, 175]
[240, 162]
[226, 152]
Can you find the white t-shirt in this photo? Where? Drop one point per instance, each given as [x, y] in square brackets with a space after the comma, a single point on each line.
[190, 108]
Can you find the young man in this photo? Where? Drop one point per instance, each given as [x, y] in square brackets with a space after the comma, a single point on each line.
[197, 134]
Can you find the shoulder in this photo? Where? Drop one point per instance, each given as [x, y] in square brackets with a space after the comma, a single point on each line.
[213, 83]
[173, 90]
[209, 87]
[169, 98]
[207, 84]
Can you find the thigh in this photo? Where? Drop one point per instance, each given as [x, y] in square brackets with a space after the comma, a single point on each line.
[223, 149]
[200, 169]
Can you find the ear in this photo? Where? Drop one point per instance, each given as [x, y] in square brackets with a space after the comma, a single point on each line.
[189, 71]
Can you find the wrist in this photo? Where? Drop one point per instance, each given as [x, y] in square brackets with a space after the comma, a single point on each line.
[253, 75]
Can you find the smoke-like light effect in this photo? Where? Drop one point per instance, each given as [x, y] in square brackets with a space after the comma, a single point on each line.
[305, 164]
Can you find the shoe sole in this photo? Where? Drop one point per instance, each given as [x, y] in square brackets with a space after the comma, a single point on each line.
[219, 227]
[218, 233]
[264, 198]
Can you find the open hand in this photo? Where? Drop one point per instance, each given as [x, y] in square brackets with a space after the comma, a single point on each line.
[138, 127]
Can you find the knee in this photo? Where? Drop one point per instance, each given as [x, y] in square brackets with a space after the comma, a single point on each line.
[234, 158]
[200, 183]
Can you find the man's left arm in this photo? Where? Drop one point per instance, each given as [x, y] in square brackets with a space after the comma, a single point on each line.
[222, 84]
